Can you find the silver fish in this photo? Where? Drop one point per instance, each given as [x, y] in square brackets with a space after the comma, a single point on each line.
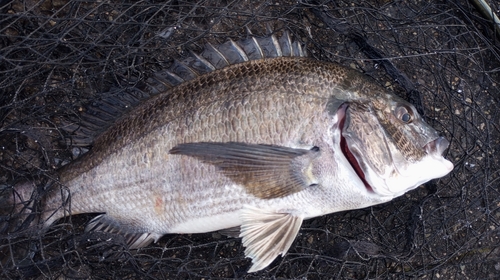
[249, 134]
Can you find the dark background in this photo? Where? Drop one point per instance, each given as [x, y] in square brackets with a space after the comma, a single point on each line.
[58, 56]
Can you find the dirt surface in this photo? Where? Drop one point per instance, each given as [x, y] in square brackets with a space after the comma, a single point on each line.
[58, 56]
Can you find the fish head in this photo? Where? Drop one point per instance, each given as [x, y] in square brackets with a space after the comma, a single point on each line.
[390, 146]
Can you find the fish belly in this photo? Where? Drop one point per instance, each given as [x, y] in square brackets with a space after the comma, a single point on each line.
[208, 223]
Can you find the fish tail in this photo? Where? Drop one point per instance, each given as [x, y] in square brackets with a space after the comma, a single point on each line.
[18, 220]
[16, 206]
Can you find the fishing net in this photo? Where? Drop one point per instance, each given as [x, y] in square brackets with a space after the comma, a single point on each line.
[444, 56]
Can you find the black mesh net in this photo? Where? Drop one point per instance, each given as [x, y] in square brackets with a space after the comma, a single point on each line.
[444, 56]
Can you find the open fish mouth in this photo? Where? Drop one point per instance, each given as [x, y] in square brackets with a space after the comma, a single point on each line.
[347, 152]
[437, 146]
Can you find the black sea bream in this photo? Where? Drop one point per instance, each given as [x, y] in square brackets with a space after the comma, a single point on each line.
[256, 136]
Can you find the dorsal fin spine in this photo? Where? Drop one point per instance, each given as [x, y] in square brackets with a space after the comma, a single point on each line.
[277, 45]
[285, 43]
[240, 50]
[212, 54]
[257, 50]
[185, 72]
[200, 59]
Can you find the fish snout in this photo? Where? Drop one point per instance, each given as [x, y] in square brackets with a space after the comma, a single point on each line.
[437, 146]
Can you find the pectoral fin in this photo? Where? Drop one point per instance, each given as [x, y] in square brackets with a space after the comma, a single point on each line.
[267, 234]
[334, 103]
[266, 171]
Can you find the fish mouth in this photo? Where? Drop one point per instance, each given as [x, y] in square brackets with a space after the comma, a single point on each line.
[347, 152]
[437, 146]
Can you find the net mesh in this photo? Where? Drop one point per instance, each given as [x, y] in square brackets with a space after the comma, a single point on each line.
[56, 56]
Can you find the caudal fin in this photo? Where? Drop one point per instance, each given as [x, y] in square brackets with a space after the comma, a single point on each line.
[16, 206]
[17, 215]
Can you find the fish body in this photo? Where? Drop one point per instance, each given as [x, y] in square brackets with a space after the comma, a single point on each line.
[261, 144]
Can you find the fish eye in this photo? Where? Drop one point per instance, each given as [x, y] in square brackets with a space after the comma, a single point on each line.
[405, 117]
[404, 114]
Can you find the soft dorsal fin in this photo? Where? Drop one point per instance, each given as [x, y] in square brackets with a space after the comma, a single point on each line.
[95, 118]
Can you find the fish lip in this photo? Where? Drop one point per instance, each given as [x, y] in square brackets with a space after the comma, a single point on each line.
[437, 146]
[347, 152]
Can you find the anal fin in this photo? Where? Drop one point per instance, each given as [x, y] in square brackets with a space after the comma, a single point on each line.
[134, 236]
[267, 234]
[231, 232]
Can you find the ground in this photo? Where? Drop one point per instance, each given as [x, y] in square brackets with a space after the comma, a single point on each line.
[56, 57]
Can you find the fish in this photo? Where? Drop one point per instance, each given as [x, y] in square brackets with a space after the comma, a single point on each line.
[249, 136]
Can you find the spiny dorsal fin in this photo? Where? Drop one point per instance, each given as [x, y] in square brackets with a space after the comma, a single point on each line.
[228, 53]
